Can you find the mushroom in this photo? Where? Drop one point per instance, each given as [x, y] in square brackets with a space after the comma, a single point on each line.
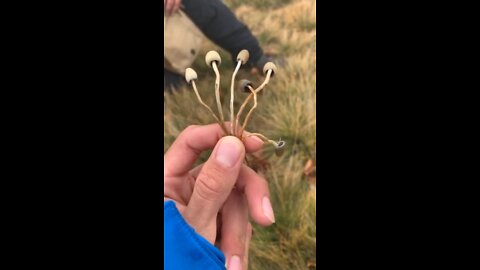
[213, 59]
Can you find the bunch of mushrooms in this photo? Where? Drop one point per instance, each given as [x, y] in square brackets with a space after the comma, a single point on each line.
[213, 60]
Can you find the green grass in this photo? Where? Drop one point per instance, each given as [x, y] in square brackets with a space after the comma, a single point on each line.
[286, 110]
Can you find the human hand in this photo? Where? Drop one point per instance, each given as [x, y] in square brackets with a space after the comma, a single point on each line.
[216, 197]
[171, 6]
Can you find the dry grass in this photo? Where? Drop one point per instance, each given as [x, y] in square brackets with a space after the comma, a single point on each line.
[286, 110]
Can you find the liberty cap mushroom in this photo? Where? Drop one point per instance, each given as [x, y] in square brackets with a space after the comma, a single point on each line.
[243, 56]
[190, 75]
[242, 59]
[244, 85]
[269, 66]
[280, 148]
[211, 57]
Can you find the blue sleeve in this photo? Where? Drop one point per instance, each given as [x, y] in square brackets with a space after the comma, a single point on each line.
[183, 248]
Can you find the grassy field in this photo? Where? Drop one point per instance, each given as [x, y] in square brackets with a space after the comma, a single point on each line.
[286, 110]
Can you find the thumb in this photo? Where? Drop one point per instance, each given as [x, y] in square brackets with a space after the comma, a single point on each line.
[213, 185]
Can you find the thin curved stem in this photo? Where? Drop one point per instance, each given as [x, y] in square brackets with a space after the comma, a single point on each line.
[221, 123]
[264, 138]
[217, 90]
[247, 118]
[267, 80]
[232, 98]
[244, 104]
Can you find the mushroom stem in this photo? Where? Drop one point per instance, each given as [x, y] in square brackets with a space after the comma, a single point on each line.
[221, 123]
[217, 90]
[264, 139]
[232, 98]
[244, 104]
[279, 146]
[254, 94]
[267, 80]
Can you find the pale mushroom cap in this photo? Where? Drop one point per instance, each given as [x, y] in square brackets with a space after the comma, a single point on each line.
[211, 57]
[269, 66]
[243, 56]
[244, 85]
[190, 75]
[280, 149]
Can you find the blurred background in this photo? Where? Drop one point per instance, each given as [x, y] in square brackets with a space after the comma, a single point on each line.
[286, 110]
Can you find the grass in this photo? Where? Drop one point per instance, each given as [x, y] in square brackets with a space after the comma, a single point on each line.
[286, 110]
[259, 4]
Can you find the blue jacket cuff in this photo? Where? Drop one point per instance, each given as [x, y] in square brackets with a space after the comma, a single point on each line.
[183, 247]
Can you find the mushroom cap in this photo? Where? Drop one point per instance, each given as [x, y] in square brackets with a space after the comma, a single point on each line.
[243, 56]
[243, 84]
[269, 66]
[212, 56]
[190, 75]
[280, 148]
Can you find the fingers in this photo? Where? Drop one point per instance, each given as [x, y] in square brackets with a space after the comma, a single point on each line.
[213, 185]
[171, 6]
[247, 245]
[176, 6]
[168, 5]
[258, 196]
[257, 193]
[186, 149]
[234, 230]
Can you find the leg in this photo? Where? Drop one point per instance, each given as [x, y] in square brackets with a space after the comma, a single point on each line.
[171, 80]
[221, 26]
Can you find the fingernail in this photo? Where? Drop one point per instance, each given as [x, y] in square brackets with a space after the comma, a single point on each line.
[267, 209]
[229, 151]
[234, 263]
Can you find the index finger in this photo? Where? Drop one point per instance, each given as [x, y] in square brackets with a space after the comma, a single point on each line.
[188, 146]
[176, 6]
[168, 7]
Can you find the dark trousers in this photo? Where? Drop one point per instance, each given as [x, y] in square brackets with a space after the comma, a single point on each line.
[220, 25]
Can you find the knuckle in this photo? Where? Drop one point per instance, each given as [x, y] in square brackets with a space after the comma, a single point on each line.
[187, 133]
[241, 241]
[264, 183]
[235, 243]
[209, 187]
[190, 128]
